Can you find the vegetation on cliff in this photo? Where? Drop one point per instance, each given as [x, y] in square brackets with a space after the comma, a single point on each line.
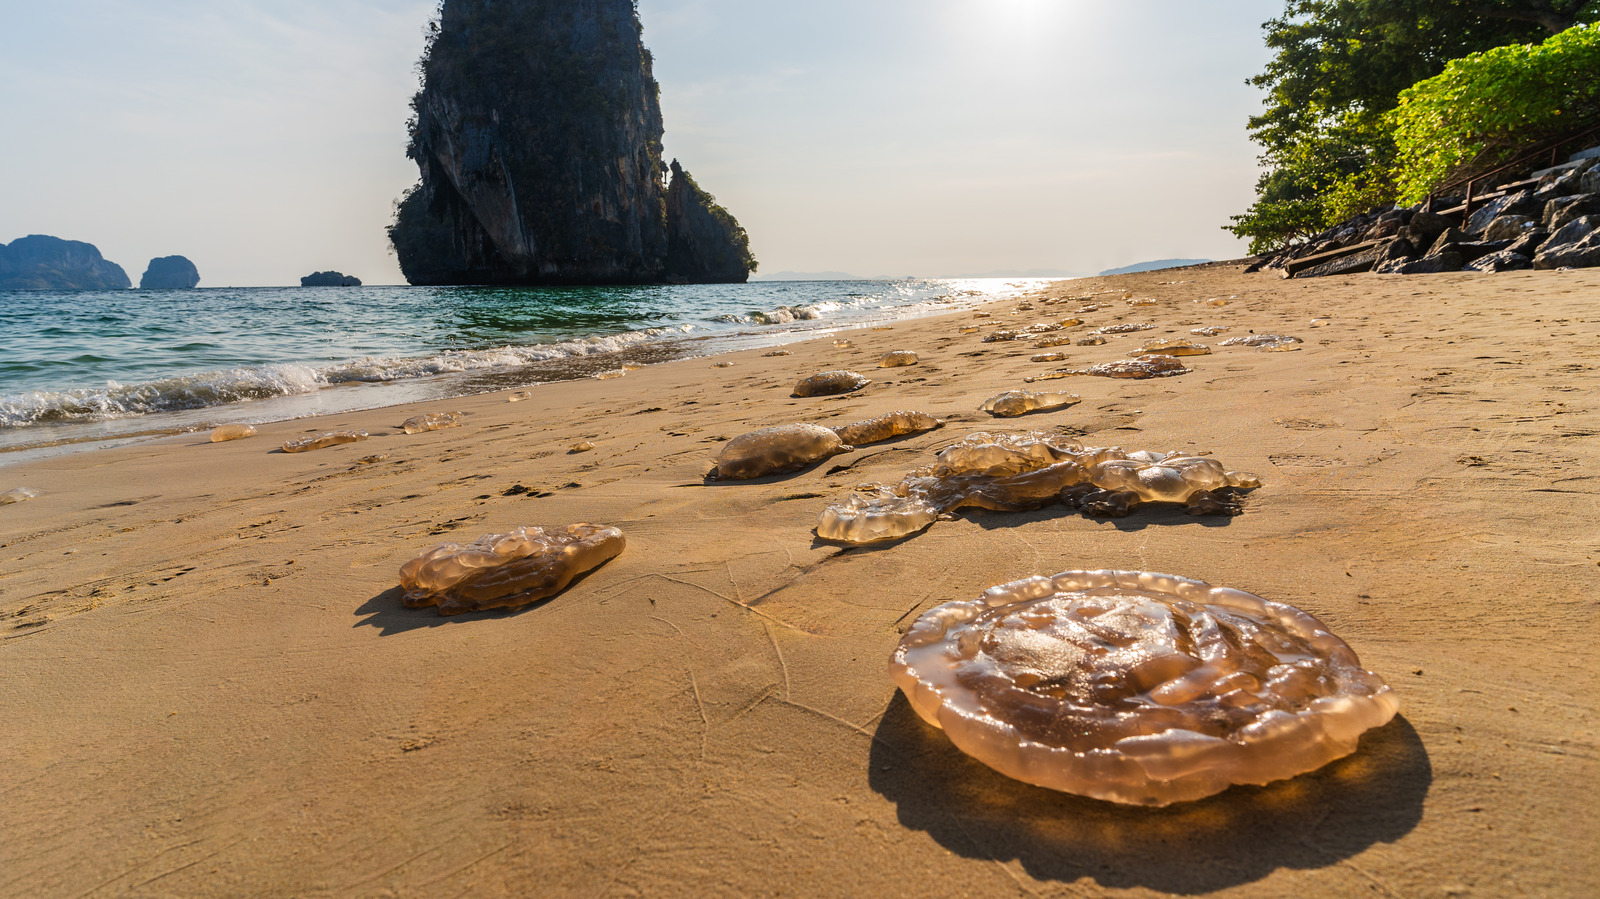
[538, 134]
[1340, 66]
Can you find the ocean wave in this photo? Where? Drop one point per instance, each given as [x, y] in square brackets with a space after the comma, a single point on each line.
[216, 388]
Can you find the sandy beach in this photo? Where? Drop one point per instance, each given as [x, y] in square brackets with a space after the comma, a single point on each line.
[209, 686]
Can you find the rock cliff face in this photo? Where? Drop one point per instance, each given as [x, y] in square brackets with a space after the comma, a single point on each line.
[38, 262]
[705, 244]
[538, 135]
[170, 273]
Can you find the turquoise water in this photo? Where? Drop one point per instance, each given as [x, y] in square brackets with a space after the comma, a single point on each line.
[85, 366]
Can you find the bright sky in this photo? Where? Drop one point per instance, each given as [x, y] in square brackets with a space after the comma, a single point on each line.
[265, 139]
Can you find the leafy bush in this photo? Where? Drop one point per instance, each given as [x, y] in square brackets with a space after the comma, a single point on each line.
[1486, 107]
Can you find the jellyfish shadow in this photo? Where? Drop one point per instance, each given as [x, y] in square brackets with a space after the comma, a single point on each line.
[1235, 838]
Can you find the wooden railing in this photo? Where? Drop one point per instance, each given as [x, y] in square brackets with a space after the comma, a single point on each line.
[1526, 160]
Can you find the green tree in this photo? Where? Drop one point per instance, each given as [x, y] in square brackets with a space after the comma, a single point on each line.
[1338, 67]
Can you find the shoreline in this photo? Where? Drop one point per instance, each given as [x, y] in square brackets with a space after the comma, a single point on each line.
[212, 686]
[569, 359]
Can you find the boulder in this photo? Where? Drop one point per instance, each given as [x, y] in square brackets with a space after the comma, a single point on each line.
[170, 273]
[1425, 228]
[1504, 261]
[1393, 255]
[1432, 264]
[41, 262]
[1591, 181]
[1528, 244]
[330, 279]
[1520, 203]
[1563, 184]
[1575, 246]
[1353, 264]
[1509, 227]
[1387, 225]
[1446, 238]
[1560, 211]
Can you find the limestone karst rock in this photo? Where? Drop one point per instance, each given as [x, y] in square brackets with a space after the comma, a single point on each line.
[170, 273]
[330, 279]
[538, 135]
[40, 262]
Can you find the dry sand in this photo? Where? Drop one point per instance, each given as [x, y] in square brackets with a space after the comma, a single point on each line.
[208, 685]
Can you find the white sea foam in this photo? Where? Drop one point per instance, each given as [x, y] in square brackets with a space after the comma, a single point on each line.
[215, 388]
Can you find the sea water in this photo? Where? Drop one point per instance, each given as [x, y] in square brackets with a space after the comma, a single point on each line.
[90, 368]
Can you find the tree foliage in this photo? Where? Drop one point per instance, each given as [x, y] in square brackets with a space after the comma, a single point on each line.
[1483, 107]
[1338, 67]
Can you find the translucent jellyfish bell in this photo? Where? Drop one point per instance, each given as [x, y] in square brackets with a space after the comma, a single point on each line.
[1138, 688]
[831, 383]
[776, 450]
[887, 427]
[507, 570]
[1013, 403]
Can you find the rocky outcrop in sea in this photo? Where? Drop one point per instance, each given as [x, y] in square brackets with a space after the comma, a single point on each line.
[1547, 221]
[170, 273]
[40, 262]
[538, 136]
[330, 279]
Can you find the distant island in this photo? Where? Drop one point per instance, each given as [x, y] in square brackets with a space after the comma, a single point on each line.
[1152, 266]
[538, 135]
[40, 262]
[330, 279]
[170, 273]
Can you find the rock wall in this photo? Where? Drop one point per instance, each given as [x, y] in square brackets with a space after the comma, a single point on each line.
[39, 262]
[330, 279]
[538, 136]
[705, 244]
[170, 273]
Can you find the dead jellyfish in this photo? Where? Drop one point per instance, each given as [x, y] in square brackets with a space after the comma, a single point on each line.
[1172, 346]
[776, 353]
[225, 433]
[1152, 366]
[1216, 302]
[722, 365]
[507, 570]
[1049, 357]
[1070, 322]
[519, 396]
[1321, 322]
[1013, 403]
[844, 343]
[1266, 342]
[897, 359]
[1088, 309]
[611, 374]
[971, 329]
[434, 421]
[1142, 301]
[1045, 343]
[1127, 328]
[582, 446]
[1116, 486]
[1209, 332]
[776, 450]
[1002, 336]
[983, 315]
[875, 518]
[1092, 340]
[1138, 688]
[17, 495]
[631, 366]
[1000, 472]
[323, 441]
[831, 383]
[887, 427]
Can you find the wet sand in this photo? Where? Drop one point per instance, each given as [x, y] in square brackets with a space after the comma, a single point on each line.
[208, 685]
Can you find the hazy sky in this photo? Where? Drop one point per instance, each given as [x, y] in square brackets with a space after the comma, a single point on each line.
[265, 139]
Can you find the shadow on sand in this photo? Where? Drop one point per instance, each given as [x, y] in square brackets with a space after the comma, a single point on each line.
[389, 614]
[1235, 838]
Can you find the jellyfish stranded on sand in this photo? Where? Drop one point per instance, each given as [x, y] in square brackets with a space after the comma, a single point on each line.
[17, 495]
[1138, 688]
[1268, 343]
[1144, 367]
[1013, 403]
[898, 359]
[1021, 471]
[433, 421]
[1172, 346]
[775, 451]
[225, 433]
[323, 441]
[507, 570]
[831, 383]
[887, 427]
[1116, 486]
